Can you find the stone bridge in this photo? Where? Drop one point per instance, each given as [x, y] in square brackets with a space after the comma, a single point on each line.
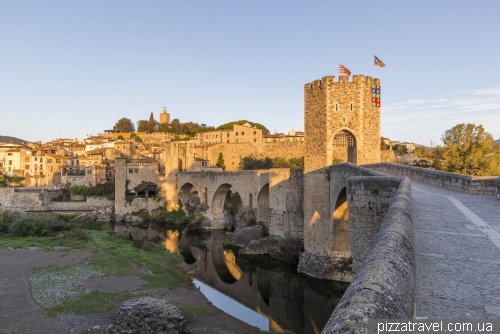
[272, 196]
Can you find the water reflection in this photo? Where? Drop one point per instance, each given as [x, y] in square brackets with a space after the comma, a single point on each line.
[264, 288]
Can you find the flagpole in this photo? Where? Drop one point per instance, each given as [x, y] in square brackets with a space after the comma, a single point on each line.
[373, 67]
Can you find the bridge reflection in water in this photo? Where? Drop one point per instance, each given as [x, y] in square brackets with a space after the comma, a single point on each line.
[273, 296]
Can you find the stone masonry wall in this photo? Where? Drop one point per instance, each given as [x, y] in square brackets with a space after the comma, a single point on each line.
[234, 152]
[10, 198]
[475, 185]
[384, 287]
[25, 201]
[331, 107]
[285, 203]
[369, 198]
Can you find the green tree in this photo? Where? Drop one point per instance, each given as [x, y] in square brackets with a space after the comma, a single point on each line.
[2, 181]
[400, 149]
[120, 137]
[230, 126]
[147, 188]
[468, 149]
[175, 126]
[124, 125]
[220, 162]
[383, 145]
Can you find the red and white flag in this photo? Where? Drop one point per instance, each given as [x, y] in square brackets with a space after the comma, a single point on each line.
[343, 70]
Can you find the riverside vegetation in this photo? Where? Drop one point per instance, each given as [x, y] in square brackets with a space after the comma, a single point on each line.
[112, 256]
[58, 289]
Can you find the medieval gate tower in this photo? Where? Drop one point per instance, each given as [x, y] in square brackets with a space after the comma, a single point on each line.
[342, 121]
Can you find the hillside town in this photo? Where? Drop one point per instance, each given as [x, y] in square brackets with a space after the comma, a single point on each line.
[91, 161]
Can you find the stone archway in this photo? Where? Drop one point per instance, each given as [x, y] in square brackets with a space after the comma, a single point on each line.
[340, 242]
[263, 204]
[189, 197]
[226, 202]
[344, 147]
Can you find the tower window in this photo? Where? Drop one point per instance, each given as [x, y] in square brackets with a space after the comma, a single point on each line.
[351, 106]
[336, 107]
[343, 118]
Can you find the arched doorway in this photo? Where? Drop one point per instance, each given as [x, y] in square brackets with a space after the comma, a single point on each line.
[344, 147]
[340, 242]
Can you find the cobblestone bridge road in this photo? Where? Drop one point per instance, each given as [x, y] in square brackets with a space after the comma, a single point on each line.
[457, 244]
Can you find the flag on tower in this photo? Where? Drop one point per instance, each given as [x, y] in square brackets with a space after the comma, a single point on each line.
[344, 70]
[377, 62]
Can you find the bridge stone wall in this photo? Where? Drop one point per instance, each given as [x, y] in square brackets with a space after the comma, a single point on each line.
[475, 185]
[284, 202]
[23, 200]
[384, 287]
[368, 195]
[370, 198]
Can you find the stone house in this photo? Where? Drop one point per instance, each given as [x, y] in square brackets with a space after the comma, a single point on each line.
[124, 146]
[238, 134]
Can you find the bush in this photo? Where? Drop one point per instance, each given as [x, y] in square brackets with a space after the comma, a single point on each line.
[172, 217]
[38, 226]
[102, 189]
[147, 188]
[81, 190]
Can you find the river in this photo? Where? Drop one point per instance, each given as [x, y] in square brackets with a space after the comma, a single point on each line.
[263, 292]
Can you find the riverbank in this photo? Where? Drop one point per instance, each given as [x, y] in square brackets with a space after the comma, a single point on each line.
[62, 284]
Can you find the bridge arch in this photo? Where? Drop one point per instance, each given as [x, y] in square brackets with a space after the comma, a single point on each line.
[225, 195]
[189, 197]
[344, 147]
[340, 242]
[263, 207]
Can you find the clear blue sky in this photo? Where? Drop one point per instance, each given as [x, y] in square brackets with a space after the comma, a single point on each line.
[72, 68]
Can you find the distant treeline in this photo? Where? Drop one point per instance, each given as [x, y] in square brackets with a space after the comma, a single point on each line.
[249, 163]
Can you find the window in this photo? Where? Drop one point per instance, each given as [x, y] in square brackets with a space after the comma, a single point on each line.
[254, 133]
[36, 159]
[27, 159]
[228, 140]
[83, 163]
[243, 133]
[41, 159]
[236, 133]
[89, 172]
[36, 167]
[351, 106]
[233, 163]
[130, 170]
[51, 168]
[1, 164]
[9, 154]
[10, 169]
[49, 161]
[41, 167]
[343, 118]
[255, 140]
[136, 170]
[236, 140]
[27, 167]
[58, 161]
[336, 107]
[10, 162]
